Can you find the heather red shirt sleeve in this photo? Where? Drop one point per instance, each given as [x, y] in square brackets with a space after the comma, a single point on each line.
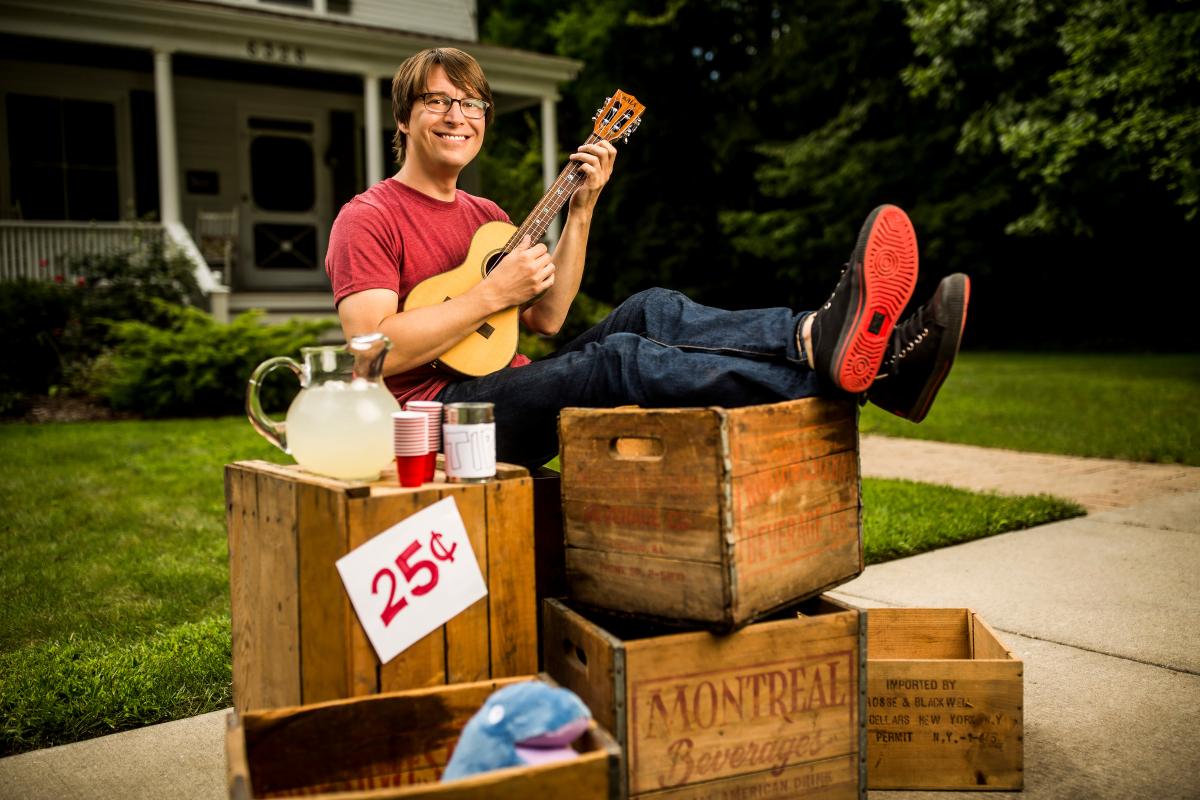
[365, 251]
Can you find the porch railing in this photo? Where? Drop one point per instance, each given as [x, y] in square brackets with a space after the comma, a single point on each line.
[45, 251]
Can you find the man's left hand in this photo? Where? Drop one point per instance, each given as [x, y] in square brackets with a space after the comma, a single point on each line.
[596, 164]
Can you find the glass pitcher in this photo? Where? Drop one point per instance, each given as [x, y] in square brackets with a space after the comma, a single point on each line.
[340, 424]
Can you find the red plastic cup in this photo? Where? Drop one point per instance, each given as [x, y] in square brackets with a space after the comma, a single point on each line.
[411, 470]
[430, 465]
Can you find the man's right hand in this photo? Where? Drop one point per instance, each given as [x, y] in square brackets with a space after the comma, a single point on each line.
[525, 273]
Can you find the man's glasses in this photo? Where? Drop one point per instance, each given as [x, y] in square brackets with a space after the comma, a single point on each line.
[438, 103]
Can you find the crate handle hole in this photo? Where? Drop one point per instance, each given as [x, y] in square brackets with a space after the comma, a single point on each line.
[636, 448]
[575, 655]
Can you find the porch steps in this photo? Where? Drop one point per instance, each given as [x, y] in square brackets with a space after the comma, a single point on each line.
[283, 306]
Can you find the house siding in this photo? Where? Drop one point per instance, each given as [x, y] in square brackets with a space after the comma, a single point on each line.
[453, 19]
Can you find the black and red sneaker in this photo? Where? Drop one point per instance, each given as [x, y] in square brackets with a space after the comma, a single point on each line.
[922, 351]
[850, 332]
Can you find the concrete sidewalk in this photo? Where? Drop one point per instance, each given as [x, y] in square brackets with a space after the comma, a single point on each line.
[1102, 609]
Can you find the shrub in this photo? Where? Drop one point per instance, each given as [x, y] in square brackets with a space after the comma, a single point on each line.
[128, 286]
[54, 330]
[194, 366]
[33, 320]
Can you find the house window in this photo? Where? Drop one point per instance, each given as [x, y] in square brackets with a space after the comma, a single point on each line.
[63, 154]
[331, 6]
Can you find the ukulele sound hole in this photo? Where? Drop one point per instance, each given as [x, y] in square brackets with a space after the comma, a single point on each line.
[491, 261]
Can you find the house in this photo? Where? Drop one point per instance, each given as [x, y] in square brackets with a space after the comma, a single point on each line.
[233, 130]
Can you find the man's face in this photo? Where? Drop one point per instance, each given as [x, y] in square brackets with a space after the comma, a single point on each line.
[441, 142]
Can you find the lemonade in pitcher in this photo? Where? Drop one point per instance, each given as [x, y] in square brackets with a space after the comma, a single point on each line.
[339, 425]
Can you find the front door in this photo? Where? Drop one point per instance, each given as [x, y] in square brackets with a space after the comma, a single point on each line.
[285, 188]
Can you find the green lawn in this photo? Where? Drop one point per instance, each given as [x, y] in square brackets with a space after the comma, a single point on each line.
[115, 576]
[1128, 406]
[114, 572]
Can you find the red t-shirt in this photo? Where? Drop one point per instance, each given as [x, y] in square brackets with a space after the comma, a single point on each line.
[393, 237]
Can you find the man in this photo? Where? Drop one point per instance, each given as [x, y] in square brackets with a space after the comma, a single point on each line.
[657, 348]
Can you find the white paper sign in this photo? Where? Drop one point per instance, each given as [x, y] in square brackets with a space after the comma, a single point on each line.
[412, 578]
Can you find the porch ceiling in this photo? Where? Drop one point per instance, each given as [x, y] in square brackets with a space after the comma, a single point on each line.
[222, 31]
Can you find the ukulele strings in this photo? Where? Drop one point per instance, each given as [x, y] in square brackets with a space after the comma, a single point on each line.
[558, 194]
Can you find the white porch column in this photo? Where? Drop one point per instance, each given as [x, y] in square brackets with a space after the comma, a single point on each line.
[550, 167]
[371, 128]
[168, 158]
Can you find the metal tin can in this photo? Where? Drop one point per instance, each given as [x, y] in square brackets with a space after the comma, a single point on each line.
[469, 442]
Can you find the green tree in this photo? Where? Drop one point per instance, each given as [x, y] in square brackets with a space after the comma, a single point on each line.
[1090, 99]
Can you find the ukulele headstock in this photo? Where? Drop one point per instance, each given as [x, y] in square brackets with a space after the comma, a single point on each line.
[618, 118]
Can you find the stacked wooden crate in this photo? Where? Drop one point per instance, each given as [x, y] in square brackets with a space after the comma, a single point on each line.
[396, 745]
[710, 516]
[692, 536]
[296, 638]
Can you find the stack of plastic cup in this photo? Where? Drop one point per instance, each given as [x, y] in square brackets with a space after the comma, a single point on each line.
[411, 439]
[433, 410]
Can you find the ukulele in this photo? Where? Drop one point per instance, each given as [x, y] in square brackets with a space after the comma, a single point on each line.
[491, 347]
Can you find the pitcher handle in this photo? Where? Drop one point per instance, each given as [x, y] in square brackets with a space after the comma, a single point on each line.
[274, 432]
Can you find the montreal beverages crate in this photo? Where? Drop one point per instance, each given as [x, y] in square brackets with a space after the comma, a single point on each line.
[396, 745]
[944, 702]
[296, 638]
[710, 516]
[772, 710]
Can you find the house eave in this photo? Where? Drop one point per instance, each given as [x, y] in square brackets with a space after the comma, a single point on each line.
[222, 31]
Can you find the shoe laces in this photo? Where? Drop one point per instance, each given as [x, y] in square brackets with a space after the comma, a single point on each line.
[836, 286]
[907, 338]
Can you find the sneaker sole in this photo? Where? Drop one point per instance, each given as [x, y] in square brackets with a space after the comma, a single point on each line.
[887, 251]
[959, 298]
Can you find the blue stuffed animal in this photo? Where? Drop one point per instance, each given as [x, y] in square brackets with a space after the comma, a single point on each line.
[523, 723]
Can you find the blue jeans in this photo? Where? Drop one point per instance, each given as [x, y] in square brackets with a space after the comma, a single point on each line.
[657, 349]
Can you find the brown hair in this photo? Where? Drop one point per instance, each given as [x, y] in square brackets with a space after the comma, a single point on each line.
[412, 77]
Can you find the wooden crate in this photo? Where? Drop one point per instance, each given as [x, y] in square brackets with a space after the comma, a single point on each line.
[296, 638]
[772, 710]
[396, 745]
[710, 516]
[944, 702]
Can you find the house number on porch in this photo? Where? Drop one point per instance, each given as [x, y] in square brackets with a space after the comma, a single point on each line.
[267, 50]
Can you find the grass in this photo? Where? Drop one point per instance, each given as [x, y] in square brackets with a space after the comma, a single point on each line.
[1127, 406]
[114, 572]
[114, 568]
[903, 518]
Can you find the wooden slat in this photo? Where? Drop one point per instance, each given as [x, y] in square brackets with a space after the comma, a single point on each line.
[263, 586]
[762, 501]
[832, 779]
[512, 612]
[765, 437]
[944, 724]
[424, 662]
[913, 633]
[642, 529]
[803, 557]
[237, 767]
[686, 475]
[402, 734]
[790, 684]
[583, 657]
[985, 642]
[396, 746]
[324, 610]
[240, 518]
[468, 655]
[294, 472]
[641, 584]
